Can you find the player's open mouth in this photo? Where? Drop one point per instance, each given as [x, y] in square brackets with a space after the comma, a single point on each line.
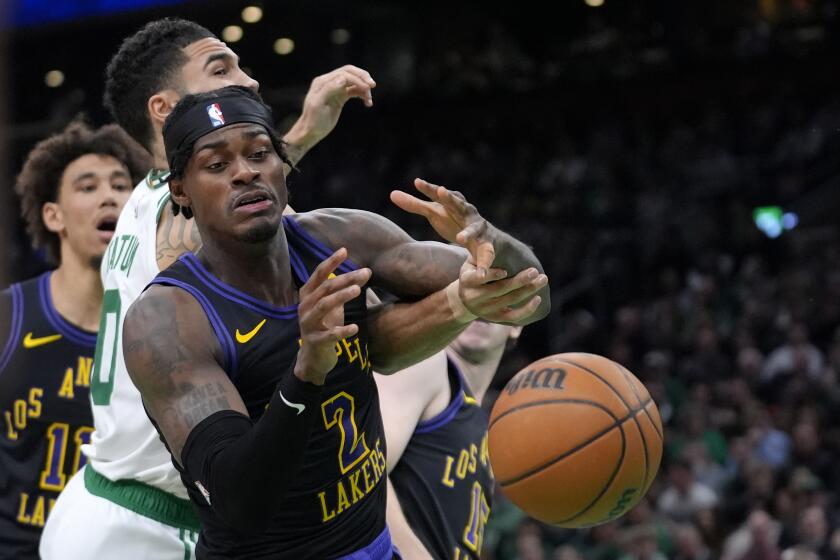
[105, 227]
[254, 201]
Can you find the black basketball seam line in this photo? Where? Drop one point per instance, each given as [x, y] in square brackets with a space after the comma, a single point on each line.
[644, 445]
[604, 381]
[625, 372]
[652, 423]
[551, 401]
[616, 424]
[606, 486]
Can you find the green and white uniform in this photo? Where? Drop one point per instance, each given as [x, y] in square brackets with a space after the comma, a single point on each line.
[128, 502]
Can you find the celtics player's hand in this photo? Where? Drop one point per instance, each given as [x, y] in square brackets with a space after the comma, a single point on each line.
[497, 298]
[323, 104]
[321, 316]
[454, 219]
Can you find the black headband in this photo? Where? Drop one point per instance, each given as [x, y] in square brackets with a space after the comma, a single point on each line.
[211, 115]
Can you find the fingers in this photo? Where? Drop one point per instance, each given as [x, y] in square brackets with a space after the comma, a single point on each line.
[352, 81]
[412, 204]
[360, 73]
[323, 271]
[517, 314]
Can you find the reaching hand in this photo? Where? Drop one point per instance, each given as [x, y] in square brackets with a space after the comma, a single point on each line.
[455, 219]
[321, 316]
[328, 94]
[499, 299]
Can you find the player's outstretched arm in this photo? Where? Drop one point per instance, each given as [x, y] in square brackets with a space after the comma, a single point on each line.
[322, 107]
[406, 333]
[458, 221]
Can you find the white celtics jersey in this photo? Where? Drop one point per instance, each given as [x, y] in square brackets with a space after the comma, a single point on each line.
[124, 444]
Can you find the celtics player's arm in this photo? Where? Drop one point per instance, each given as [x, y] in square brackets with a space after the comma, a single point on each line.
[242, 467]
[322, 107]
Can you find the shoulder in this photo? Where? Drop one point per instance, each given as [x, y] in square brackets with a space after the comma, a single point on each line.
[168, 310]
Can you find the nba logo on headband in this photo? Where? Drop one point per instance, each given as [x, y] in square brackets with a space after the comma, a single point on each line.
[215, 114]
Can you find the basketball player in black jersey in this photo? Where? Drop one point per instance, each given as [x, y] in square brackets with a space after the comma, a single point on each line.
[440, 479]
[278, 435]
[72, 188]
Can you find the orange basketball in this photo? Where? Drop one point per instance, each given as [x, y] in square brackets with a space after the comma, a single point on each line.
[575, 440]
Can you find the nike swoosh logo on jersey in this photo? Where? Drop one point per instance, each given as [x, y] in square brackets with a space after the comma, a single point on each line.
[299, 407]
[29, 342]
[243, 338]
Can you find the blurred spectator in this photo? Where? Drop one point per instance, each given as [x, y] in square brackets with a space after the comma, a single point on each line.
[684, 496]
[755, 540]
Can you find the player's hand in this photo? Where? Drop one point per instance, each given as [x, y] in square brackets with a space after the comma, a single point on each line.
[321, 316]
[499, 299]
[326, 98]
[454, 219]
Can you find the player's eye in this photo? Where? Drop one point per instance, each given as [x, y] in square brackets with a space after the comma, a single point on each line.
[260, 154]
[90, 187]
[121, 187]
[215, 166]
[221, 71]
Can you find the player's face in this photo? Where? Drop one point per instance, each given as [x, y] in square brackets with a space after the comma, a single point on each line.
[235, 183]
[212, 65]
[93, 190]
[481, 339]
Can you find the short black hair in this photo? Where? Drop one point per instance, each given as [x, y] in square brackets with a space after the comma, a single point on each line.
[181, 157]
[146, 63]
[40, 178]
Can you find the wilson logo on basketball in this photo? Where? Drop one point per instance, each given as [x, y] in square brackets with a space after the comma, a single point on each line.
[625, 500]
[546, 378]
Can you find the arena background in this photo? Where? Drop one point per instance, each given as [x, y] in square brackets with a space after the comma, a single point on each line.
[630, 143]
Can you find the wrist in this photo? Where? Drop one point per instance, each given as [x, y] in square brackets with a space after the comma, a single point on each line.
[459, 311]
[305, 372]
[299, 139]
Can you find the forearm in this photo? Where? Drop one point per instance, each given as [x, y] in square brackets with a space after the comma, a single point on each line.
[403, 334]
[227, 446]
[404, 538]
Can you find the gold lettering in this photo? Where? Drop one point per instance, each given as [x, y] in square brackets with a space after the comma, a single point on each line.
[343, 502]
[83, 371]
[325, 515]
[52, 504]
[485, 450]
[338, 349]
[473, 453]
[38, 516]
[366, 472]
[463, 462]
[20, 414]
[447, 473]
[362, 359]
[35, 394]
[11, 433]
[66, 390]
[354, 486]
[22, 517]
[351, 356]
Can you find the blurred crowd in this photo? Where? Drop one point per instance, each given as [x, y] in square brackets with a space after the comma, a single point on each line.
[643, 218]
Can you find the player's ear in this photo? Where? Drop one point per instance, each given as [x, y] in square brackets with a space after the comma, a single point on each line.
[179, 197]
[52, 217]
[161, 104]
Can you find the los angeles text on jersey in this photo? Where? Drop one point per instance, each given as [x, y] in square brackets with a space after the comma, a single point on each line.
[354, 486]
[63, 440]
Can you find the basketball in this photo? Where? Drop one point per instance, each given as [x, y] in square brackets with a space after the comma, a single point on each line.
[575, 440]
